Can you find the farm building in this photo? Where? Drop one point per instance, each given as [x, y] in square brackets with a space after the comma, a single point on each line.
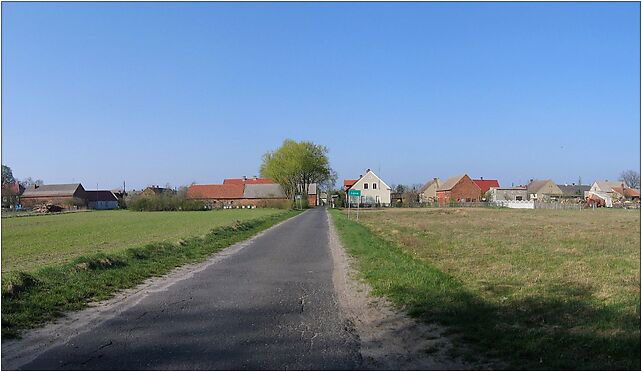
[574, 192]
[373, 190]
[606, 186]
[508, 193]
[217, 196]
[428, 192]
[485, 185]
[543, 190]
[156, 190]
[65, 196]
[101, 199]
[458, 188]
[626, 193]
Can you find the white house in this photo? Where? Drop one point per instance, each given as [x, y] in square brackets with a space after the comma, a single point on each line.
[373, 190]
[605, 186]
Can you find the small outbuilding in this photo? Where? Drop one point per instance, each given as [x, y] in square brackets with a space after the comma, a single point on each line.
[101, 199]
[458, 188]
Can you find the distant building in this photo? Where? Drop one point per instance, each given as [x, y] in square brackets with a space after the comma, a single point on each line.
[428, 192]
[217, 196]
[248, 181]
[66, 196]
[485, 185]
[458, 188]
[543, 190]
[156, 191]
[373, 190]
[605, 186]
[519, 193]
[574, 192]
[101, 199]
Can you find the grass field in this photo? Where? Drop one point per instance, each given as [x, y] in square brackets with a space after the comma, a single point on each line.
[30, 299]
[29, 243]
[540, 289]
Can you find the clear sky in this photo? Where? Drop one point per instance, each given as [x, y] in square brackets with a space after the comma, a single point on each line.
[174, 93]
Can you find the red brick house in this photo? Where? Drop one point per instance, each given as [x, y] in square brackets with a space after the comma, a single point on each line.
[459, 188]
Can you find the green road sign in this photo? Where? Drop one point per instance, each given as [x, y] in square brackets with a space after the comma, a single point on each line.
[354, 192]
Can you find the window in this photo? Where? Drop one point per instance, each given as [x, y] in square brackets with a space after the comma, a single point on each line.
[374, 186]
[518, 197]
[365, 186]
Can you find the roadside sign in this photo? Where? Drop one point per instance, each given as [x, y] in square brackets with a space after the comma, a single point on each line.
[354, 192]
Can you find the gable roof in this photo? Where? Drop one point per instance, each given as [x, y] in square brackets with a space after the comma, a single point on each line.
[100, 195]
[574, 190]
[349, 183]
[229, 191]
[263, 191]
[345, 182]
[450, 183]
[535, 185]
[485, 185]
[59, 190]
[247, 181]
[627, 192]
[606, 186]
[428, 184]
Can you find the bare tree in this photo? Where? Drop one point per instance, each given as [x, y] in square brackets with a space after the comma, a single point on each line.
[631, 178]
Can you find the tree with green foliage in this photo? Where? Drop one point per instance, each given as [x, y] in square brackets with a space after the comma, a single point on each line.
[295, 165]
[7, 175]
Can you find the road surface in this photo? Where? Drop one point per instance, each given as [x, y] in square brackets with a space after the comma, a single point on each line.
[272, 305]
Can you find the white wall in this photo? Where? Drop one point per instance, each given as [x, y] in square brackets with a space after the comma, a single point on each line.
[370, 195]
[518, 204]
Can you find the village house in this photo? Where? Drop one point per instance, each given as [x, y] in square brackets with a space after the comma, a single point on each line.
[373, 190]
[605, 186]
[485, 185]
[157, 191]
[101, 199]
[624, 193]
[543, 190]
[573, 192]
[65, 196]
[428, 192]
[518, 193]
[458, 188]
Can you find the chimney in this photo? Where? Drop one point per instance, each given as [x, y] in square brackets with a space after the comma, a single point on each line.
[573, 184]
[435, 178]
[367, 170]
[481, 178]
[361, 175]
[255, 178]
[531, 180]
[244, 178]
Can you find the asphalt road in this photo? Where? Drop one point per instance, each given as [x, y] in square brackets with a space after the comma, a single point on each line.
[270, 306]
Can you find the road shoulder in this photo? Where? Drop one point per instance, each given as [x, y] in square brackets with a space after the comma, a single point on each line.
[389, 339]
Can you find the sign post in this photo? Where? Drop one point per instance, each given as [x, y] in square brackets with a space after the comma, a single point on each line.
[352, 193]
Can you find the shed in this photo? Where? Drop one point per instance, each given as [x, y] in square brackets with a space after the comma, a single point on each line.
[101, 199]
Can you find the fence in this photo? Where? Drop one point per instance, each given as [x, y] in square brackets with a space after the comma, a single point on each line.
[556, 205]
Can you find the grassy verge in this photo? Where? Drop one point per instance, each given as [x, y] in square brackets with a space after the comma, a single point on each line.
[561, 326]
[30, 299]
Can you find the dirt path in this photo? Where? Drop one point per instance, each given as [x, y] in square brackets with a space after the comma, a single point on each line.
[389, 338]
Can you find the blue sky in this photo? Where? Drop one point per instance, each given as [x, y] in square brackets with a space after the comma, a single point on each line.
[175, 93]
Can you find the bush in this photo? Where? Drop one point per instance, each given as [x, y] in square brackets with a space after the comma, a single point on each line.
[164, 202]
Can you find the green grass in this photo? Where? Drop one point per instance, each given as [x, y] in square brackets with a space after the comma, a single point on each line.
[540, 289]
[29, 243]
[30, 299]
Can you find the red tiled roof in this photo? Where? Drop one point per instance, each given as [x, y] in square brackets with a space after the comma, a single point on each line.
[485, 185]
[349, 183]
[228, 191]
[627, 192]
[247, 181]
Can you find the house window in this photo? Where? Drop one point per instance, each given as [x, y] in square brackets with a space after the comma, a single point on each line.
[519, 197]
[365, 186]
[374, 186]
